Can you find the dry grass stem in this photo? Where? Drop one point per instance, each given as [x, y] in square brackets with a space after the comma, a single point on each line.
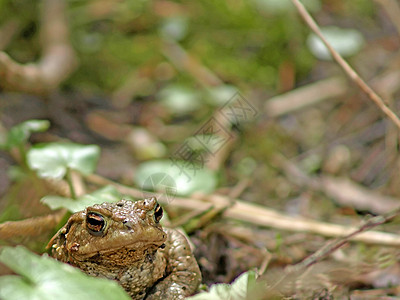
[387, 83]
[348, 193]
[341, 190]
[346, 67]
[262, 216]
[305, 96]
[207, 79]
[133, 84]
[336, 244]
[325, 89]
[30, 227]
[184, 62]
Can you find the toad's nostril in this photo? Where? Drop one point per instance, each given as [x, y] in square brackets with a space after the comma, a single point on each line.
[128, 224]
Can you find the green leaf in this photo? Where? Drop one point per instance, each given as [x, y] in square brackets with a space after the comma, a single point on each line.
[221, 94]
[44, 278]
[180, 99]
[237, 290]
[243, 285]
[175, 177]
[106, 194]
[345, 41]
[203, 142]
[20, 133]
[174, 28]
[53, 159]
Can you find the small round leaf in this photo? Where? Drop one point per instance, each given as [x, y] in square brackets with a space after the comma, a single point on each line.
[180, 99]
[346, 42]
[20, 133]
[188, 177]
[106, 194]
[53, 159]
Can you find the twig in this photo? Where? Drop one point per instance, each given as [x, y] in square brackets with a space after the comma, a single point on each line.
[30, 227]
[336, 244]
[132, 85]
[183, 61]
[261, 216]
[347, 193]
[342, 190]
[58, 59]
[207, 79]
[345, 66]
[239, 188]
[305, 96]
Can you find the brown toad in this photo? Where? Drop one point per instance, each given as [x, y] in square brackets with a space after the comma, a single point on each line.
[124, 241]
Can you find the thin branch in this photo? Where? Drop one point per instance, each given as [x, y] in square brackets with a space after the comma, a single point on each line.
[345, 66]
[341, 190]
[305, 96]
[336, 244]
[259, 215]
[30, 227]
[183, 61]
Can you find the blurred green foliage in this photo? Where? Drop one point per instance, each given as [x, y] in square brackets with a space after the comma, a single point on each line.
[113, 39]
[44, 278]
[105, 194]
[242, 45]
[244, 42]
[53, 160]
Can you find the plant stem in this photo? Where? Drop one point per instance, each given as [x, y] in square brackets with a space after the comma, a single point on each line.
[22, 154]
[70, 184]
[345, 66]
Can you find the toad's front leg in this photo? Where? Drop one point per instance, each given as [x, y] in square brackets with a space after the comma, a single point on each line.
[182, 272]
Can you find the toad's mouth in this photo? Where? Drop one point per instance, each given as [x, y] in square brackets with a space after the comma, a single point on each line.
[136, 246]
[124, 251]
[124, 255]
[120, 257]
[139, 239]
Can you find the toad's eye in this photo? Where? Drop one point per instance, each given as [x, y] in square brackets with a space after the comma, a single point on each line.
[158, 213]
[95, 223]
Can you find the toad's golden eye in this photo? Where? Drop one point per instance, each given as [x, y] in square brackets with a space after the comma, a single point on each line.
[158, 213]
[95, 223]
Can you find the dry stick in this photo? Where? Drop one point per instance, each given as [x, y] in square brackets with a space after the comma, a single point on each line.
[304, 96]
[30, 227]
[185, 62]
[336, 244]
[259, 215]
[329, 248]
[343, 191]
[345, 66]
